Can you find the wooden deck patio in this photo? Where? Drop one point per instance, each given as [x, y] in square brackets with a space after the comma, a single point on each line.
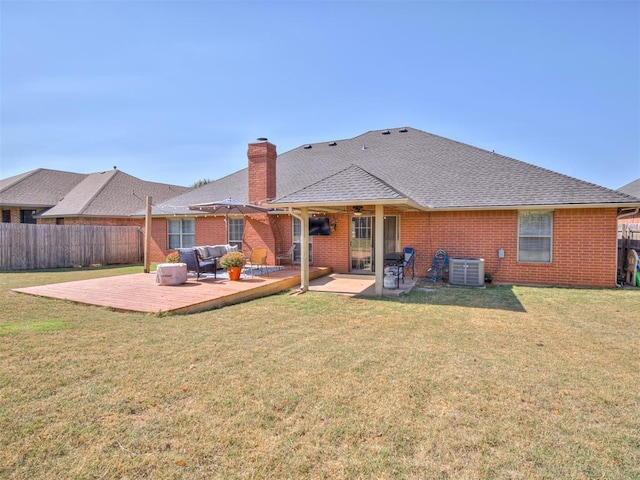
[139, 292]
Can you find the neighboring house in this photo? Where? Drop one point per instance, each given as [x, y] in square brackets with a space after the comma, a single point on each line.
[388, 189]
[102, 198]
[633, 189]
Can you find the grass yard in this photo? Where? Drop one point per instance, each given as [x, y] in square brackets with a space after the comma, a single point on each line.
[502, 383]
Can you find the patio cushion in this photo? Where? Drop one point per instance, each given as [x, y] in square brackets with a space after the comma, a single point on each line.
[216, 251]
[204, 253]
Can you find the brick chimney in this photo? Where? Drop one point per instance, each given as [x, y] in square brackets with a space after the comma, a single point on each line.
[262, 171]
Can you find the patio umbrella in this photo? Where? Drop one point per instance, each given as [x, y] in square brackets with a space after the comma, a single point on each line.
[228, 207]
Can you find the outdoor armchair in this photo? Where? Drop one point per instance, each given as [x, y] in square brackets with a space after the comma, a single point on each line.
[258, 260]
[409, 261]
[195, 264]
[286, 257]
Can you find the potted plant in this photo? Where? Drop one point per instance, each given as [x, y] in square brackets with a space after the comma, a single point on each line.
[233, 262]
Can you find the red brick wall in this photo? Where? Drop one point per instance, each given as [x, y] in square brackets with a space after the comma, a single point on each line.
[584, 245]
[211, 231]
[584, 242]
[158, 250]
[258, 233]
[282, 231]
[333, 250]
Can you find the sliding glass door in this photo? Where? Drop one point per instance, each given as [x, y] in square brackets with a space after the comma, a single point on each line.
[362, 243]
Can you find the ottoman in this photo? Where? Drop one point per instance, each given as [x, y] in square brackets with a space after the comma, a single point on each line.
[171, 273]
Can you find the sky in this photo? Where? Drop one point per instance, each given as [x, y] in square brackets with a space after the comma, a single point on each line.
[173, 91]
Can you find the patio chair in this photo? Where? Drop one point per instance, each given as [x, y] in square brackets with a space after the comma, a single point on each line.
[287, 257]
[195, 263]
[258, 260]
[409, 262]
[439, 266]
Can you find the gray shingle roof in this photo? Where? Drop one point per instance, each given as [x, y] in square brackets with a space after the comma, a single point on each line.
[106, 194]
[111, 194]
[632, 188]
[38, 188]
[353, 184]
[430, 170]
[232, 186]
[435, 171]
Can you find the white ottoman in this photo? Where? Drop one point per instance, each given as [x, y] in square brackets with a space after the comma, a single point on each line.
[171, 273]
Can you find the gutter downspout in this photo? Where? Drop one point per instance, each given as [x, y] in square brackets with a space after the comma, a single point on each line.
[629, 214]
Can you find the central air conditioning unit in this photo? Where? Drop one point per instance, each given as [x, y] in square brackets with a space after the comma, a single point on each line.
[466, 271]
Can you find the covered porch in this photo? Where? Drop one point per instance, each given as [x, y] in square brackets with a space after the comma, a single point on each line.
[347, 192]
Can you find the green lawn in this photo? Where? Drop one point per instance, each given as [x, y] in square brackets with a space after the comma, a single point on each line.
[502, 383]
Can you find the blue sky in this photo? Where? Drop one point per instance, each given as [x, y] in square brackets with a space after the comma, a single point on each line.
[172, 91]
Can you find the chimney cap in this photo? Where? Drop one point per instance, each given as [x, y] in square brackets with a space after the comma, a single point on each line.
[262, 139]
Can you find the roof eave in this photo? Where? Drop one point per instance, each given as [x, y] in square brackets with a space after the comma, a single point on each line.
[550, 206]
[337, 204]
[27, 205]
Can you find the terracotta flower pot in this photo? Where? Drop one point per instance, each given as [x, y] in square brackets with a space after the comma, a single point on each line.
[234, 273]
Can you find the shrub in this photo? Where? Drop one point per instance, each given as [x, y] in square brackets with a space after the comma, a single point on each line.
[173, 257]
[233, 259]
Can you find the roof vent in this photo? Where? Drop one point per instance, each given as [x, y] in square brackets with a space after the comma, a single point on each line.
[403, 130]
[262, 139]
[307, 147]
[332, 144]
[386, 132]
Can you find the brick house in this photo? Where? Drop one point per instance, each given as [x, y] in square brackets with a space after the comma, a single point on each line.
[405, 187]
[47, 196]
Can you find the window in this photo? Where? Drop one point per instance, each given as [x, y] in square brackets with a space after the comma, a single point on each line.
[6, 216]
[297, 233]
[27, 216]
[236, 231]
[535, 232]
[182, 233]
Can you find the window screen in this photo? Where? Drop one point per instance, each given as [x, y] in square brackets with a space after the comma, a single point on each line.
[535, 232]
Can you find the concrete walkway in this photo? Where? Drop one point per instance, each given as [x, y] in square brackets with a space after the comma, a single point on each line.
[346, 284]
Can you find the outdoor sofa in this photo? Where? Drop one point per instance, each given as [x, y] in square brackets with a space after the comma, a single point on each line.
[204, 259]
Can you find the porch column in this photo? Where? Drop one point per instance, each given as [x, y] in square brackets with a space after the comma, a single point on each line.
[304, 249]
[379, 252]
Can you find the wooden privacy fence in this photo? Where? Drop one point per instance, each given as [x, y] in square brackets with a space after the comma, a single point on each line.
[28, 246]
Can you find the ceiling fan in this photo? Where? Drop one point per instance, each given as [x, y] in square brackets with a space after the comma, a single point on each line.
[358, 210]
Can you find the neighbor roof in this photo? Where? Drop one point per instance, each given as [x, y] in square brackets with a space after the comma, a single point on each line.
[112, 193]
[28, 189]
[426, 170]
[632, 188]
